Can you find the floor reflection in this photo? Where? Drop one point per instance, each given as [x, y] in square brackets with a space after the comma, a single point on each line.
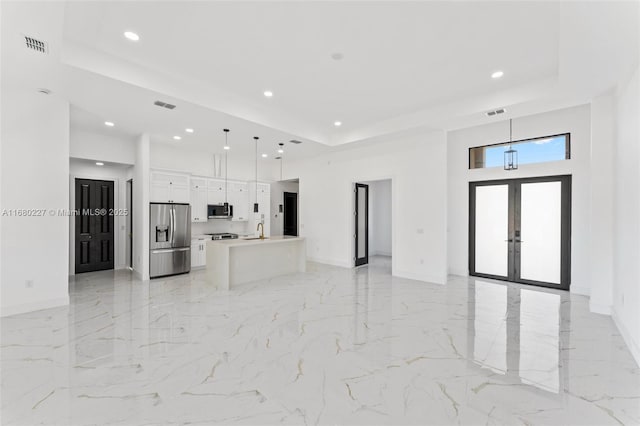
[330, 346]
[516, 332]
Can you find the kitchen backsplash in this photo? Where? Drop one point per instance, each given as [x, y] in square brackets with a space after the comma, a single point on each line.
[219, 225]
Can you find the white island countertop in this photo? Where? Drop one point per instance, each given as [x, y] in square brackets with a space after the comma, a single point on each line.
[242, 260]
[257, 240]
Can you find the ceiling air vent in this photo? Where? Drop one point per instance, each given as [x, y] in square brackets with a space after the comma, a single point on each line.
[164, 105]
[496, 112]
[35, 44]
[294, 141]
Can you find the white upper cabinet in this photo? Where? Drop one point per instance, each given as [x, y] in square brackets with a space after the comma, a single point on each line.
[169, 188]
[198, 199]
[215, 191]
[239, 199]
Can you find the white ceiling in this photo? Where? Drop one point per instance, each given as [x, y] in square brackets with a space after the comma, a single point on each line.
[407, 66]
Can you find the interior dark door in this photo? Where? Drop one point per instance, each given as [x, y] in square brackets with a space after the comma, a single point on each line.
[520, 230]
[94, 225]
[362, 223]
[290, 226]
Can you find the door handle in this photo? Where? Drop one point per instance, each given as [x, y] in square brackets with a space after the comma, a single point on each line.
[170, 250]
[508, 241]
[171, 225]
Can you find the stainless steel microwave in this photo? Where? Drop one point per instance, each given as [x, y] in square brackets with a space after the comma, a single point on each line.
[219, 211]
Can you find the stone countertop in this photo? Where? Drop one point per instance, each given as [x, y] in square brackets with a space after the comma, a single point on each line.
[256, 241]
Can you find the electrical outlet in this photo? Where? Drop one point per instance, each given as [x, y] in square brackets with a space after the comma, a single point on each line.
[420, 231]
[422, 261]
[28, 284]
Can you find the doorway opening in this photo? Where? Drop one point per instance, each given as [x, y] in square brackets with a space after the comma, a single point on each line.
[290, 214]
[94, 230]
[285, 207]
[373, 221]
[520, 230]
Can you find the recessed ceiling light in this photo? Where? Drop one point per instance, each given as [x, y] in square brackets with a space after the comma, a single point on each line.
[281, 151]
[44, 91]
[497, 74]
[177, 138]
[268, 93]
[188, 130]
[109, 123]
[264, 155]
[227, 147]
[337, 123]
[99, 164]
[131, 35]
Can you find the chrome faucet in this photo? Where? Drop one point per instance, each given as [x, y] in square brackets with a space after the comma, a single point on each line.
[261, 229]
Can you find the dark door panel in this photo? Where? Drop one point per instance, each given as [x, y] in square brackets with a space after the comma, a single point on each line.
[290, 222]
[362, 224]
[94, 235]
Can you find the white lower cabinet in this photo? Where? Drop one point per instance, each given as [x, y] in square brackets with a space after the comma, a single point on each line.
[198, 253]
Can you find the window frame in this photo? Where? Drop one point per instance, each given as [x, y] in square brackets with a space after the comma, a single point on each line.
[567, 148]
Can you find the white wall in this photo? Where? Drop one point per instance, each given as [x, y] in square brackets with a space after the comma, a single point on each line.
[380, 217]
[418, 206]
[277, 197]
[35, 173]
[99, 147]
[165, 156]
[141, 205]
[626, 248]
[601, 204]
[79, 169]
[574, 120]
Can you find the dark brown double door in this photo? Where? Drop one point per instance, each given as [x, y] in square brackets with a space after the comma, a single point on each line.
[94, 236]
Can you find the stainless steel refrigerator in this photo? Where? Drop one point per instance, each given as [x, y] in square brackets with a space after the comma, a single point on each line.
[170, 239]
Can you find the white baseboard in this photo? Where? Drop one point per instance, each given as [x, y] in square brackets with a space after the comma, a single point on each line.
[332, 262]
[459, 272]
[420, 277]
[34, 306]
[599, 308]
[578, 289]
[138, 275]
[381, 253]
[626, 335]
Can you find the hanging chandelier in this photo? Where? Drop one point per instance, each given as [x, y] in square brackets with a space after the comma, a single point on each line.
[510, 155]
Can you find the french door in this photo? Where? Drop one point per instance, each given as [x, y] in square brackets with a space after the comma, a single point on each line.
[520, 230]
[362, 224]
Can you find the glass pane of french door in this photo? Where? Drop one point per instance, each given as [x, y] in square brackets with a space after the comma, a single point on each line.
[540, 231]
[492, 230]
[362, 205]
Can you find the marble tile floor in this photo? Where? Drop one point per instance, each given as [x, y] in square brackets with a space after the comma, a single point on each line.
[330, 346]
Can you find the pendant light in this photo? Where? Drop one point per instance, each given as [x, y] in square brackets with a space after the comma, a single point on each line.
[226, 168]
[281, 152]
[510, 155]
[255, 205]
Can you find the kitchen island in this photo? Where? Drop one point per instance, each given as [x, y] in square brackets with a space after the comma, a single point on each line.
[232, 262]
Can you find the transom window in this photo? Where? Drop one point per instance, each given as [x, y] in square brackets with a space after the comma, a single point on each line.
[537, 150]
